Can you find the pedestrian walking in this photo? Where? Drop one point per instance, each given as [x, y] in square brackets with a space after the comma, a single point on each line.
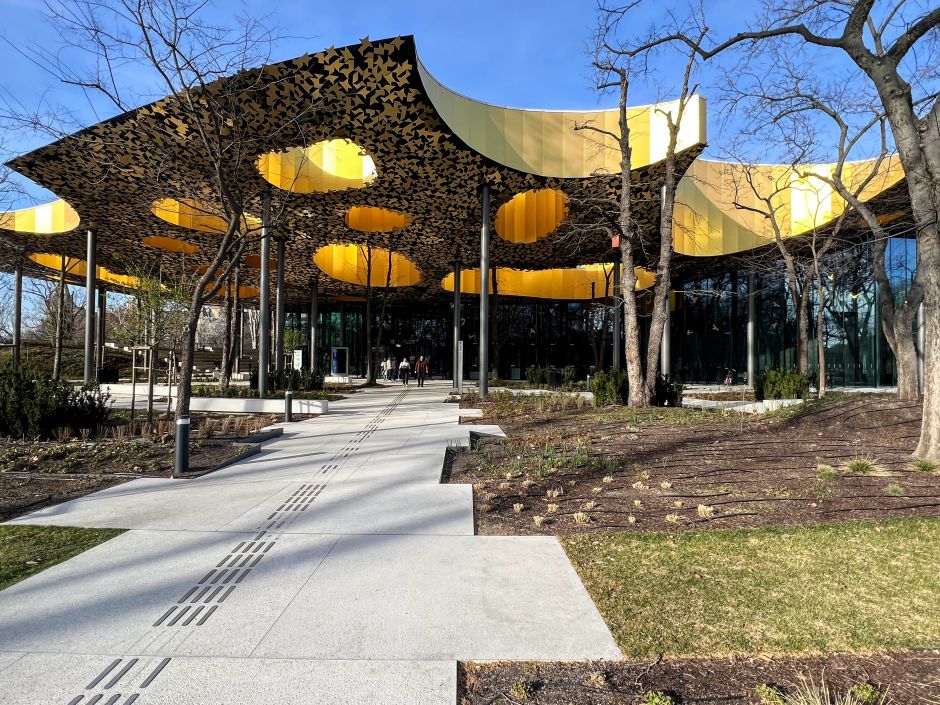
[404, 371]
[421, 370]
[389, 369]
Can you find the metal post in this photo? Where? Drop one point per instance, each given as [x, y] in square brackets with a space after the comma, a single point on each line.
[288, 405]
[279, 309]
[264, 301]
[314, 314]
[17, 312]
[102, 308]
[485, 293]
[90, 267]
[456, 361]
[751, 330]
[921, 341]
[182, 445]
[618, 318]
[665, 348]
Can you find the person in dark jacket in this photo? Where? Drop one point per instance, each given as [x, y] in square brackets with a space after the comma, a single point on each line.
[421, 370]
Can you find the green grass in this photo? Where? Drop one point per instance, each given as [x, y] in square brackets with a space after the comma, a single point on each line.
[841, 587]
[27, 550]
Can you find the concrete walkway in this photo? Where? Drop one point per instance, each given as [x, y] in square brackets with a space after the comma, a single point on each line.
[331, 568]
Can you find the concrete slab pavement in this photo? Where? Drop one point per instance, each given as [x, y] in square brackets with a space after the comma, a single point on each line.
[333, 567]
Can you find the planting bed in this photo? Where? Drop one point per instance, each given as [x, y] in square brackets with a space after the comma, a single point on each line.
[573, 471]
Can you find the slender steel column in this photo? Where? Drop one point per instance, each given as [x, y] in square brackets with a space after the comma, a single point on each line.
[17, 312]
[921, 341]
[751, 330]
[485, 294]
[618, 318]
[264, 301]
[102, 309]
[314, 315]
[456, 361]
[90, 267]
[279, 309]
[665, 349]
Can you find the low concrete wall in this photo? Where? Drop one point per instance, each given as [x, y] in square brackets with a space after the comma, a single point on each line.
[224, 405]
[746, 407]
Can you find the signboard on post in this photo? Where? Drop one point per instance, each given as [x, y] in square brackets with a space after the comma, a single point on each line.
[459, 374]
[298, 362]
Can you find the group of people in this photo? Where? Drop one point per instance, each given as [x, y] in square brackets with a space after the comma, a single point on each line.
[405, 370]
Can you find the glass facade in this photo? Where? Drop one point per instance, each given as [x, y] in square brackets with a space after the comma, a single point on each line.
[708, 326]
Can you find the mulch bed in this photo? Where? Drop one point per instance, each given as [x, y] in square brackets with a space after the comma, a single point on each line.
[908, 678]
[658, 466]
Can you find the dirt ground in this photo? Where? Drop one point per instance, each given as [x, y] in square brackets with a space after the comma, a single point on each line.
[908, 678]
[670, 469]
[37, 474]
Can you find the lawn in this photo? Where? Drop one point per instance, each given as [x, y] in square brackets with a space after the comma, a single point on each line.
[27, 550]
[841, 587]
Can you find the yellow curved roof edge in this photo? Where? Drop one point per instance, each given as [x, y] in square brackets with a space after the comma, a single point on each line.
[77, 267]
[53, 218]
[593, 281]
[544, 142]
[708, 222]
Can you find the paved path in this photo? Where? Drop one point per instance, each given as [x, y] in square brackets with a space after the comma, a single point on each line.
[331, 568]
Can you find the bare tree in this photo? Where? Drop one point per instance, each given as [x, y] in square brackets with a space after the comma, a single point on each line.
[210, 74]
[615, 61]
[892, 48]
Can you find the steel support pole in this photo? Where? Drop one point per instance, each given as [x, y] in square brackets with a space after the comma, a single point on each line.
[102, 312]
[17, 313]
[665, 349]
[921, 341]
[456, 361]
[484, 375]
[314, 315]
[279, 297]
[264, 301]
[90, 271]
[618, 318]
[751, 330]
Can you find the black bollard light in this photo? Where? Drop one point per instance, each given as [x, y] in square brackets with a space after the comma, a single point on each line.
[182, 445]
[288, 406]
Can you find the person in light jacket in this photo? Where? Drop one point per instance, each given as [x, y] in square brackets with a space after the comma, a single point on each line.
[404, 371]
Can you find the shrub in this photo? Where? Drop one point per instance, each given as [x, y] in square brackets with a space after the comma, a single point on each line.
[781, 384]
[768, 695]
[655, 697]
[212, 391]
[667, 392]
[610, 387]
[867, 693]
[522, 690]
[895, 490]
[36, 407]
[536, 376]
[862, 466]
[567, 377]
[923, 465]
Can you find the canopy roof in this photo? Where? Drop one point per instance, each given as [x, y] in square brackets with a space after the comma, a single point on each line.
[389, 157]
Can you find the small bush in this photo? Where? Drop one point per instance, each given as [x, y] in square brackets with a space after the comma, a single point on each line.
[895, 490]
[610, 387]
[37, 407]
[827, 473]
[781, 384]
[768, 695]
[667, 392]
[862, 466]
[867, 693]
[536, 376]
[522, 690]
[655, 697]
[923, 465]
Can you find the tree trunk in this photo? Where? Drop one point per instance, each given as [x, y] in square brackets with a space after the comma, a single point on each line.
[663, 275]
[821, 339]
[184, 386]
[59, 325]
[228, 342]
[928, 447]
[637, 394]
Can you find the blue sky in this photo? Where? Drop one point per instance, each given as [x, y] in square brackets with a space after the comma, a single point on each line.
[517, 53]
